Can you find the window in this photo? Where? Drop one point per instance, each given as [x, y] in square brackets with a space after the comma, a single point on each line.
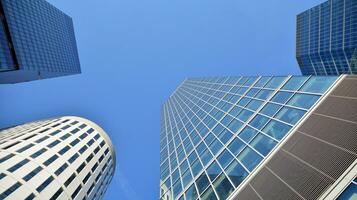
[2, 175]
[263, 144]
[236, 173]
[87, 178]
[18, 165]
[75, 193]
[83, 149]
[53, 144]
[96, 150]
[213, 171]
[25, 148]
[275, 82]
[5, 158]
[202, 183]
[42, 139]
[276, 129]
[282, 97]
[38, 153]
[89, 158]
[11, 145]
[10, 190]
[64, 137]
[61, 169]
[90, 142]
[44, 184]
[32, 173]
[80, 168]
[74, 131]
[295, 83]
[95, 166]
[73, 158]
[236, 146]
[64, 150]
[30, 197]
[102, 143]
[223, 187]
[57, 194]
[247, 134]
[225, 158]
[191, 193]
[303, 100]
[55, 132]
[259, 121]
[249, 158]
[270, 109]
[50, 160]
[84, 135]
[70, 179]
[74, 142]
[290, 115]
[318, 84]
[90, 131]
[96, 137]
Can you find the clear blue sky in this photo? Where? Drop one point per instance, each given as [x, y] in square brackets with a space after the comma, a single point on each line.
[134, 53]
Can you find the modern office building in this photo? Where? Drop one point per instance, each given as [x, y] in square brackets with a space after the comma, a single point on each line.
[37, 41]
[326, 39]
[253, 138]
[62, 158]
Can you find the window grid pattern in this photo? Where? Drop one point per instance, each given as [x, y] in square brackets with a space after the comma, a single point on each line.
[216, 131]
[326, 42]
[36, 155]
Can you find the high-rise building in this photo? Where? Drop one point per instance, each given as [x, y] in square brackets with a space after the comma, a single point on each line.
[326, 40]
[61, 158]
[268, 138]
[37, 41]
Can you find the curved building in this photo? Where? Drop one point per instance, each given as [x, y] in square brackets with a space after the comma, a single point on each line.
[61, 158]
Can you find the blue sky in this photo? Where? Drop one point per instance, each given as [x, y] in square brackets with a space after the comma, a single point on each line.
[134, 53]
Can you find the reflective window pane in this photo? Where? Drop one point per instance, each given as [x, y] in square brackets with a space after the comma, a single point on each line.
[276, 129]
[249, 158]
[236, 173]
[270, 109]
[247, 134]
[236, 146]
[290, 115]
[263, 144]
[318, 84]
[282, 97]
[295, 83]
[223, 187]
[303, 100]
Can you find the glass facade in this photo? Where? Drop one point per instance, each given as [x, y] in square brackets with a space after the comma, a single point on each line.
[326, 42]
[216, 131]
[350, 192]
[42, 41]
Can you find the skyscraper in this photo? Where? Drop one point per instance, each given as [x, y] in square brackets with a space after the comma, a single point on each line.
[326, 38]
[37, 42]
[250, 138]
[62, 158]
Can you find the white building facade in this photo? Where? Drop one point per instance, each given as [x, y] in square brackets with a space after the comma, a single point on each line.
[61, 158]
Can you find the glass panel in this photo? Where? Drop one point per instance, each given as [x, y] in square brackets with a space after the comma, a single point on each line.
[191, 193]
[236, 146]
[276, 129]
[247, 134]
[202, 183]
[196, 168]
[259, 121]
[223, 187]
[213, 171]
[275, 82]
[350, 193]
[225, 158]
[249, 158]
[295, 83]
[263, 144]
[282, 97]
[235, 125]
[206, 157]
[236, 173]
[254, 104]
[290, 115]
[270, 109]
[209, 195]
[245, 115]
[262, 81]
[235, 111]
[186, 178]
[177, 188]
[318, 84]
[303, 100]
[264, 94]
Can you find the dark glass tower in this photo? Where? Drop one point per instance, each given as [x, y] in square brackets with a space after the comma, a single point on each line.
[248, 138]
[326, 40]
[37, 41]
